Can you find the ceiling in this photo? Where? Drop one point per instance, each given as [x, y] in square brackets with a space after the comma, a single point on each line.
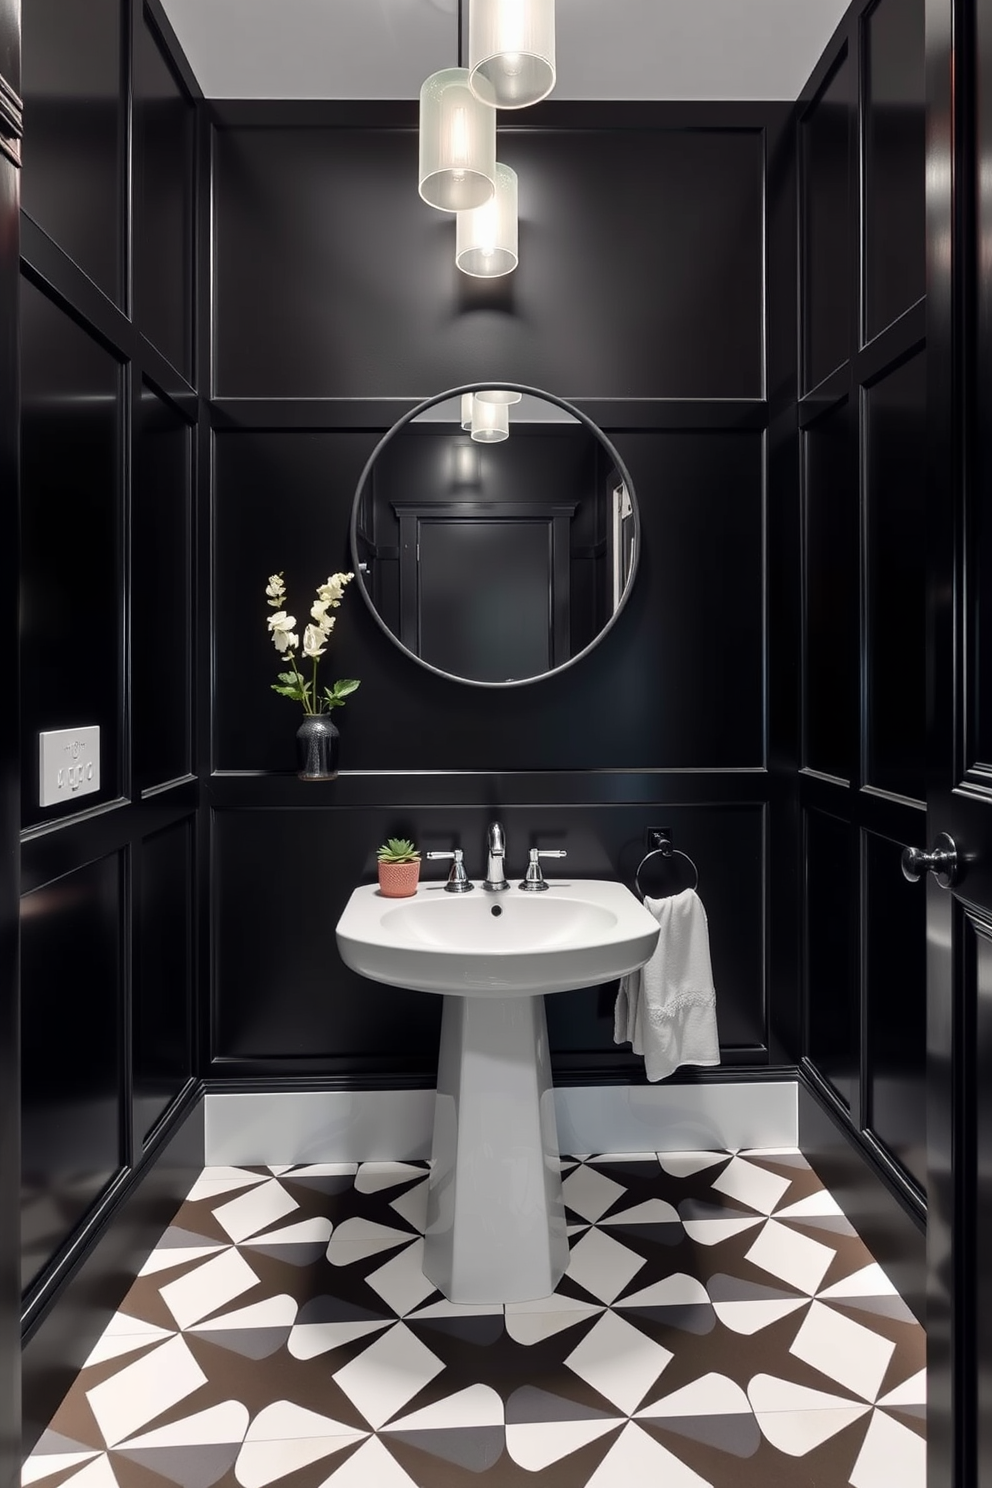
[635, 49]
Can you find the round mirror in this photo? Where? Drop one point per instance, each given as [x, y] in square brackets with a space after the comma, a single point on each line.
[498, 549]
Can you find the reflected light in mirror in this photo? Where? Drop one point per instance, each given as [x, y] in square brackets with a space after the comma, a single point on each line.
[498, 395]
[468, 400]
[490, 421]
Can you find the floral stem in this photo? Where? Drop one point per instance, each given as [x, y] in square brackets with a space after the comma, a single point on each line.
[315, 707]
[303, 686]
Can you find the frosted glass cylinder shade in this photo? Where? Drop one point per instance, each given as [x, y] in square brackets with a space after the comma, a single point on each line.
[512, 50]
[468, 399]
[486, 237]
[490, 422]
[457, 143]
[499, 395]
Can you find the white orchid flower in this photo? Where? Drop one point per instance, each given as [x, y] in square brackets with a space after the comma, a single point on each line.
[276, 590]
[313, 642]
[319, 609]
[281, 626]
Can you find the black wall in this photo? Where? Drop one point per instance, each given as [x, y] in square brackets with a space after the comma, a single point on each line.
[653, 322]
[108, 414]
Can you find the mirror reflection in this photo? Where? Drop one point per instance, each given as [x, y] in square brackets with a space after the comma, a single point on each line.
[495, 561]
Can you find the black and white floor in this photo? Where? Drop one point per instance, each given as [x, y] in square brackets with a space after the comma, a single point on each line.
[720, 1324]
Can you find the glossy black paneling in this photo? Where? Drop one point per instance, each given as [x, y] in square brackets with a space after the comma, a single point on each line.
[831, 585]
[827, 200]
[833, 1007]
[163, 200]
[896, 1003]
[71, 601]
[162, 1012]
[313, 296]
[895, 532]
[74, 123]
[71, 1016]
[894, 149]
[285, 1001]
[161, 555]
[693, 626]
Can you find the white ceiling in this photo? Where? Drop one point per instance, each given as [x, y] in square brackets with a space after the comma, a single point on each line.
[637, 49]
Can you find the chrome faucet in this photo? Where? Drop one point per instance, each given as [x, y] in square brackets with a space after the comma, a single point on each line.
[495, 878]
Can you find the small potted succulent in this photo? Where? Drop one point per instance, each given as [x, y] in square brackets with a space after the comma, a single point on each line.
[399, 868]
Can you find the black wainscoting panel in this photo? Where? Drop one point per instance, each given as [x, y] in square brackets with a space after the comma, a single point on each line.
[73, 131]
[163, 201]
[162, 1010]
[826, 203]
[831, 982]
[71, 1014]
[830, 674]
[896, 999]
[285, 1001]
[161, 613]
[333, 278]
[894, 151]
[71, 562]
[895, 534]
[679, 681]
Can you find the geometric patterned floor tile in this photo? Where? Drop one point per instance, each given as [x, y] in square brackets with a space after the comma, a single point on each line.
[720, 1325]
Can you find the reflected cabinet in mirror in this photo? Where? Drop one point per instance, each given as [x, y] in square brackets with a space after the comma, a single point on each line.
[495, 534]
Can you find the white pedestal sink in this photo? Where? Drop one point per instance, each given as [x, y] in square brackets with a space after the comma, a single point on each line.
[496, 1222]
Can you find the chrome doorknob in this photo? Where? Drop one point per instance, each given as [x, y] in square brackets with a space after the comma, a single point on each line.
[942, 861]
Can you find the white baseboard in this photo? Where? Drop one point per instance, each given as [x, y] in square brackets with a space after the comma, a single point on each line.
[378, 1125]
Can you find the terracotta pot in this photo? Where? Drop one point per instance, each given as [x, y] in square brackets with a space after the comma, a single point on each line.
[398, 880]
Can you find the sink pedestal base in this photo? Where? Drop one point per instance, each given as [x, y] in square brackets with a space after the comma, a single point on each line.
[495, 1215]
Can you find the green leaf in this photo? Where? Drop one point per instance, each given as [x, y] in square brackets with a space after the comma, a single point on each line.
[290, 692]
[336, 695]
[398, 850]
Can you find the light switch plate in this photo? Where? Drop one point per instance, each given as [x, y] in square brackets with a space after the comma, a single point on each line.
[69, 764]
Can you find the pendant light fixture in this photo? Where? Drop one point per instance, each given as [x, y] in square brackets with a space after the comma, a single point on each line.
[457, 142]
[486, 236]
[490, 421]
[498, 395]
[512, 50]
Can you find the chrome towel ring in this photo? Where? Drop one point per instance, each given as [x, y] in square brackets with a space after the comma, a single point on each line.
[665, 870]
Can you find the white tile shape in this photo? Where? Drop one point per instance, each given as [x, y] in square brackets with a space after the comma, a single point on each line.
[374, 1176]
[446, 1309]
[226, 1422]
[258, 1209]
[357, 1236]
[273, 1312]
[308, 1340]
[108, 1346]
[652, 1211]
[751, 1185]
[325, 1170]
[790, 1256]
[478, 1405]
[123, 1323]
[844, 1350]
[535, 1445]
[277, 1169]
[557, 1302]
[262, 1462]
[412, 1206]
[618, 1361]
[220, 1179]
[890, 1453]
[44, 1464]
[284, 1420]
[710, 1395]
[911, 1392]
[192, 1297]
[590, 1193]
[372, 1466]
[769, 1393]
[170, 1256]
[677, 1290]
[143, 1390]
[304, 1232]
[382, 1378]
[603, 1158]
[96, 1474]
[401, 1282]
[602, 1266]
[685, 1164]
[797, 1432]
[870, 1281]
[637, 1458]
[715, 1231]
[813, 1206]
[750, 1317]
[534, 1327]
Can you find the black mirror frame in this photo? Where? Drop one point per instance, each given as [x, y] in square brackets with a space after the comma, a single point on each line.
[401, 423]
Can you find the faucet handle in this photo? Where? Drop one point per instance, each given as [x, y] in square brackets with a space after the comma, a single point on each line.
[534, 879]
[458, 882]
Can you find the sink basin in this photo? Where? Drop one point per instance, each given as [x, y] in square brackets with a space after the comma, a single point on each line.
[510, 944]
[495, 1215]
